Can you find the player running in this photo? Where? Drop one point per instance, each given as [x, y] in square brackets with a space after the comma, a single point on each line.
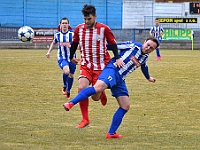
[64, 39]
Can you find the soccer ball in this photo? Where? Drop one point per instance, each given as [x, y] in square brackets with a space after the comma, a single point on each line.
[25, 34]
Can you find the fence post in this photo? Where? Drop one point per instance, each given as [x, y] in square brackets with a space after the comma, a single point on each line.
[24, 12]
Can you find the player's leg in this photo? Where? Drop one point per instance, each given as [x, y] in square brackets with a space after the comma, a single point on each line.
[121, 94]
[70, 82]
[86, 92]
[102, 95]
[158, 54]
[72, 68]
[158, 51]
[65, 79]
[64, 65]
[83, 82]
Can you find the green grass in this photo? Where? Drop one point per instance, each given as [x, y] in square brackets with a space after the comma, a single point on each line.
[163, 115]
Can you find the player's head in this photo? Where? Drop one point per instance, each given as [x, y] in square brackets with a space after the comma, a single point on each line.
[64, 19]
[149, 45]
[156, 22]
[89, 13]
[64, 23]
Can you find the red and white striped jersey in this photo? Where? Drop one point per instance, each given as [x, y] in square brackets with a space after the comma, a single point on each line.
[92, 43]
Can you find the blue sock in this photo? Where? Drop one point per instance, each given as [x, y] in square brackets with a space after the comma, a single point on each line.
[83, 94]
[117, 119]
[70, 83]
[158, 52]
[65, 78]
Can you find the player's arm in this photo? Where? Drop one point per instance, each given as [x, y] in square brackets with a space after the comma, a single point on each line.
[114, 49]
[51, 48]
[119, 62]
[113, 46]
[74, 43]
[162, 31]
[73, 48]
[111, 41]
[151, 31]
[145, 71]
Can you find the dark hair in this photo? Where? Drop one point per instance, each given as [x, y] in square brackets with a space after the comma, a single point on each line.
[154, 40]
[88, 9]
[64, 18]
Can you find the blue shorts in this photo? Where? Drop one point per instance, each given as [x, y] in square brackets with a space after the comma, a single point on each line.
[114, 81]
[64, 62]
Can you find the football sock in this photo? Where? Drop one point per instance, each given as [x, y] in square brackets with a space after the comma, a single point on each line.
[158, 52]
[65, 79]
[117, 119]
[84, 109]
[83, 94]
[84, 103]
[70, 83]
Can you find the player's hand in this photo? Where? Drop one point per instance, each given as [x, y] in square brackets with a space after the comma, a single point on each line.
[48, 55]
[68, 45]
[119, 63]
[75, 60]
[151, 79]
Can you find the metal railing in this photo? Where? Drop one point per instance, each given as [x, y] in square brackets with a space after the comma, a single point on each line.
[9, 33]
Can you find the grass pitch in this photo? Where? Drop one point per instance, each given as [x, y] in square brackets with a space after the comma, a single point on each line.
[163, 115]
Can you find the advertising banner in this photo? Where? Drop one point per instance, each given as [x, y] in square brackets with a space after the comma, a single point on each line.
[43, 35]
[178, 34]
[178, 20]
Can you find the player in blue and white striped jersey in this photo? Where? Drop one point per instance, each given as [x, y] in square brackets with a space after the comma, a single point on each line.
[157, 31]
[134, 55]
[64, 39]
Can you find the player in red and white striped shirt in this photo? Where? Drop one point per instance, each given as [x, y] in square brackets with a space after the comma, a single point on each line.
[92, 38]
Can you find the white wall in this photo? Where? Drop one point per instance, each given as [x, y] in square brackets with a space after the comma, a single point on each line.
[134, 12]
[141, 14]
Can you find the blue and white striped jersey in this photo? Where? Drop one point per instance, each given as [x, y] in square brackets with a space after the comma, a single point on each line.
[156, 31]
[63, 40]
[131, 54]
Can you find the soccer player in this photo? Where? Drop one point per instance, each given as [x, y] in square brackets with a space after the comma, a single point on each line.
[92, 37]
[157, 31]
[64, 39]
[134, 55]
